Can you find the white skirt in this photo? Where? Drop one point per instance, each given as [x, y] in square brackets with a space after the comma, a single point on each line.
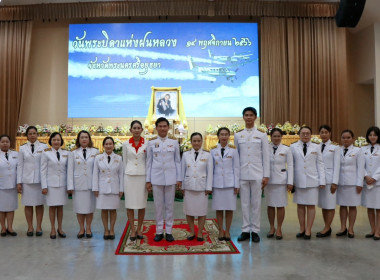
[135, 192]
[8, 200]
[56, 196]
[306, 196]
[276, 195]
[371, 197]
[326, 199]
[108, 201]
[195, 203]
[83, 202]
[32, 195]
[223, 199]
[347, 196]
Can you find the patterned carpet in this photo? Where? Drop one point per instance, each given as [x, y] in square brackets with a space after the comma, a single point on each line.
[181, 246]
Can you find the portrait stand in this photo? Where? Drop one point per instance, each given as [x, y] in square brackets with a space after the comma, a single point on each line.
[166, 102]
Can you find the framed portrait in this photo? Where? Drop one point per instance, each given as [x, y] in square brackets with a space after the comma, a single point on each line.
[166, 102]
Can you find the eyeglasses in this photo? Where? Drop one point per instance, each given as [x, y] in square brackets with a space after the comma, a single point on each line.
[305, 134]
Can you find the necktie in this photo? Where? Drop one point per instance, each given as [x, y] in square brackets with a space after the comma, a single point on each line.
[323, 147]
[372, 149]
[345, 152]
[84, 153]
[6, 156]
[304, 149]
[196, 155]
[109, 159]
[32, 148]
[222, 152]
[274, 149]
[58, 156]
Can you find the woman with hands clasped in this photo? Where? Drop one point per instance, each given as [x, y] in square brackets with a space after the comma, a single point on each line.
[108, 186]
[350, 183]
[197, 173]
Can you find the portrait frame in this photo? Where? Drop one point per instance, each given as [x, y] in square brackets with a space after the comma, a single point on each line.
[166, 102]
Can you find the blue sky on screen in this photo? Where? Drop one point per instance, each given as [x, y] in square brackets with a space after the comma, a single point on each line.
[215, 64]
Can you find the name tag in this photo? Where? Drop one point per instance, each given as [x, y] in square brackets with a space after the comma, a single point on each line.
[64, 155]
[14, 157]
[229, 156]
[331, 151]
[376, 155]
[39, 152]
[76, 157]
[170, 146]
[93, 156]
[116, 161]
[351, 155]
[282, 155]
[203, 159]
[314, 153]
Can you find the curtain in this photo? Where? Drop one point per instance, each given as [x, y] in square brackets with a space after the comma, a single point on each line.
[303, 69]
[15, 38]
[152, 8]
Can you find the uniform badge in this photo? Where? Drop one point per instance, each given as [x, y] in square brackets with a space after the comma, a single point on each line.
[77, 157]
[229, 156]
[331, 151]
[203, 159]
[314, 153]
[188, 166]
[170, 146]
[157, 145]
[78, 162]
[64, 155]
[117, 161]
[216, 163]
[93, 156]
[39, 152]
[103, 171]
[351, 155]
[282, 155]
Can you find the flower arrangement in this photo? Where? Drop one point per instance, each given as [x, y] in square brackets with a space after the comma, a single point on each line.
[118, 146]
[117, 129]
[76, 129]
[22, 129]
[108, 129]
[360, 142]
[185, 146]
[70, 145]
[262, 127]
[93, 129]
[100, 129]
[124, 129]
[234, 127]
[316, 140]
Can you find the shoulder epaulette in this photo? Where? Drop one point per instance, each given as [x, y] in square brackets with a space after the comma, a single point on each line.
[334, 143]
[231, 146]
[206, 150]
[41, 142]
[239, 130]
[154, 138]
[64, 149]
[98, 154]
[294, 142]
[24, 144]
[286, 144]
[48, 149]
[261, 130]
[13, 150]
[363, 145]
[213, 147]
[172, 137]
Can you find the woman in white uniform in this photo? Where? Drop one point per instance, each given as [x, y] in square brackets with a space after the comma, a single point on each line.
[309, 176]
[371, 191]
[197, 173]
[226, 185]
[108, 185]
[8, 190]
[352, 170]
[327, 196]
[29, 179]
[135, 193]
[79, 182]
[280, 182]
[54, 181]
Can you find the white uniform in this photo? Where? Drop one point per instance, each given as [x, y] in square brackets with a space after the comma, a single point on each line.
[351, 174]
[54, 176]
[108, 180]
[253, 149]
[197, 178]
[226, 177]
[79, 179]
[309, 172]
[281, 170]
[371, 194]
[163, 170]
[8, 175]
[331, 160]
[29, 173]
[135, 192]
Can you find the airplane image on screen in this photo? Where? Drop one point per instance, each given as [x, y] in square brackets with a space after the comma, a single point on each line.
[213, 71]
[239, 59]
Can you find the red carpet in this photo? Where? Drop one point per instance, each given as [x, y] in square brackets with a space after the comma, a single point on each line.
[181, 246]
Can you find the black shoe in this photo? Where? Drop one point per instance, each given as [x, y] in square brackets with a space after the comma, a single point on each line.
[79, 235]
[270, 235]
[159, 237]
[3, 234]
[54, 236]
[307, 237]
[105, 237]
[255, 237]
[111, 236]
[369, 235]
[300, 234]
[140, 236]
[351, 235]
[221, 238]
[341, 233]
[243, 236]
[190, 237]
[89, 235]
[39, 233]
[227, 238]
[327, 233]
[169, 237]
[278, 237]
[62, 235]
[132, 238]
[376, 237]
[200, 239]
[12, 233]
[29, 233]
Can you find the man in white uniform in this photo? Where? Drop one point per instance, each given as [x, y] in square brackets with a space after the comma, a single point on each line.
[163, 171]
[253, 149]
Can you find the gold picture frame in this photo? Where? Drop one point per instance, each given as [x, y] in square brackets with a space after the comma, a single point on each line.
[166, 102]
